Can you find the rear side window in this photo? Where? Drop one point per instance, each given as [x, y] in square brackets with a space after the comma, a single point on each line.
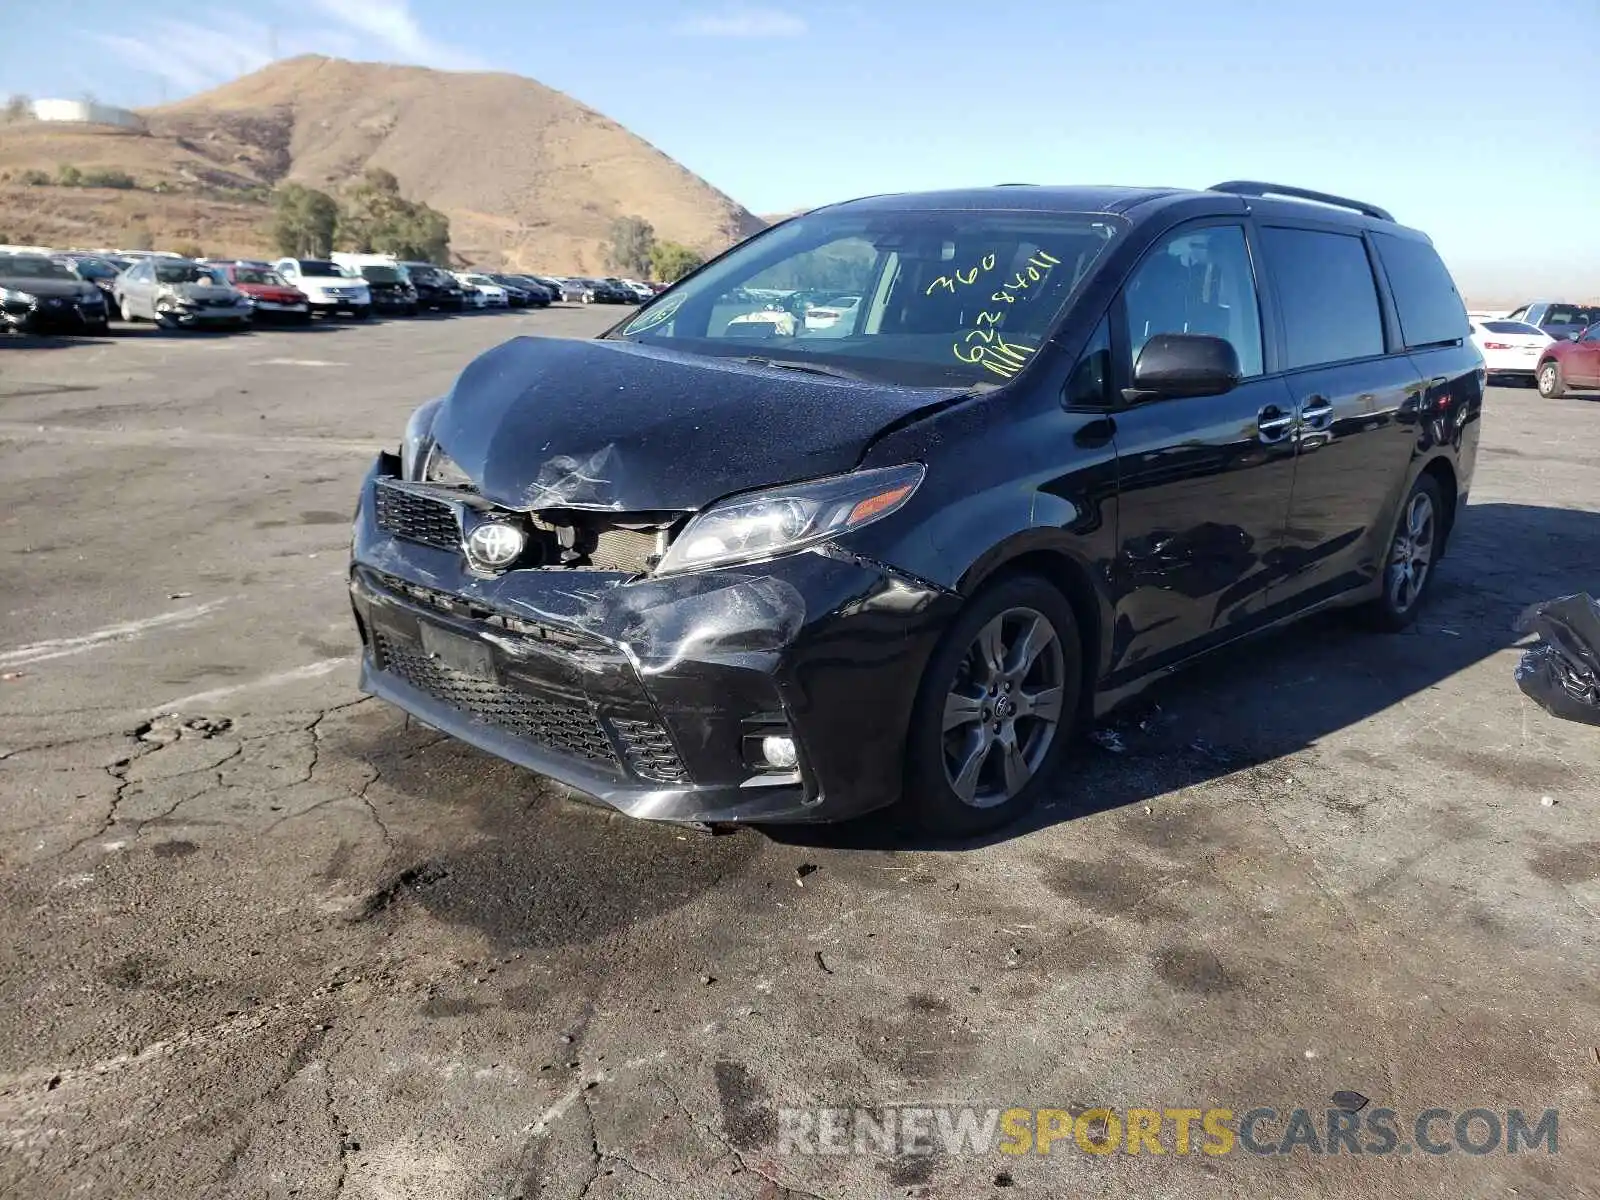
[1326, 295]
[1566, 314]
[1425, 296]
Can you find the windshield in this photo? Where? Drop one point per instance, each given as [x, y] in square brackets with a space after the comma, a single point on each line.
[16, 266]
[1521, 327]
[380, 274]
[933, 299]
[186, 272]
[95, 268]
[317, 266]
[258, 275]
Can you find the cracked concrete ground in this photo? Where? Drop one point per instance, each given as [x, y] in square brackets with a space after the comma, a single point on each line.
[285, 943]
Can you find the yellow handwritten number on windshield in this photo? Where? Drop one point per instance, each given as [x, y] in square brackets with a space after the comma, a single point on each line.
[985, 344]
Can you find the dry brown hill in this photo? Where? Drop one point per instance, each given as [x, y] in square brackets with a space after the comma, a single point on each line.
[528, 176]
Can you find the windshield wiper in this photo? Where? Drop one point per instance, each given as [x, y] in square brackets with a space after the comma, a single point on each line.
[789, 364]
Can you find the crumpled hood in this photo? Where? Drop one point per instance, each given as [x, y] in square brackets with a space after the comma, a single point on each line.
[201, 291]
[558, 423]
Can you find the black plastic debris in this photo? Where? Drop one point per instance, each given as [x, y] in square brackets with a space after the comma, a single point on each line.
[1562, 673]
[1350, 1102]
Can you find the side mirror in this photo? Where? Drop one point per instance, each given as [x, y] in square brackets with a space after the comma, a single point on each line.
[1173, 365]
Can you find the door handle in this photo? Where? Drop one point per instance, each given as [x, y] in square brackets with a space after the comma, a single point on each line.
[1317, 412]
[1273, 424]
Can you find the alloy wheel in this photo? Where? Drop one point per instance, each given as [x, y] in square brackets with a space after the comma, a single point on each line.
[1412, 554]
[1004, 709]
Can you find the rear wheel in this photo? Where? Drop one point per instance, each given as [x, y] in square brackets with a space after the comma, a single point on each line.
[997, 705]
[1551, 384]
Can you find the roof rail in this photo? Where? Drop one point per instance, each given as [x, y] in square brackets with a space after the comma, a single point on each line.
[1250, 187]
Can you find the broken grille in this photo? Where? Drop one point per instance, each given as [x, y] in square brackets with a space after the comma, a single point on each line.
[417, 518]
[649, 750]
[569, 728]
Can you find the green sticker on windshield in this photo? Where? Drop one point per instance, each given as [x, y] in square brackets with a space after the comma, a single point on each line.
[654, 317]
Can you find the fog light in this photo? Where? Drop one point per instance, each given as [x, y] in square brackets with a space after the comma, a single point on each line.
[779, 752]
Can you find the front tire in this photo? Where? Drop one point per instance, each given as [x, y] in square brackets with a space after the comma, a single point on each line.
[1414, 548]
[1551, 385]
[126, 311]
[999, 702]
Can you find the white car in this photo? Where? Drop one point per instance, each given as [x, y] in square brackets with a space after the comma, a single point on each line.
[1509, 348]
[494, 296]
[780, 323]
[641, 290]
[329, 287]
[837, 317]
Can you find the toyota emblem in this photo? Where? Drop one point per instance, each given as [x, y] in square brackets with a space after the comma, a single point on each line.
[494, 545]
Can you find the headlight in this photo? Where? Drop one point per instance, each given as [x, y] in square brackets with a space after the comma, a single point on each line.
[419, 435]
[785, 519]
[8, 296]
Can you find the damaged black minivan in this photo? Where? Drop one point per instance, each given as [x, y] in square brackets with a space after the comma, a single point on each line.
[888, 501]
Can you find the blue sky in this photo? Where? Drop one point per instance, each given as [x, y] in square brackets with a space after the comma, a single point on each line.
[1472, 120]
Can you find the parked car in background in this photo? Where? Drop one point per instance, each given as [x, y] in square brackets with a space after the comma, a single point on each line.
[1570, 364]
[577, 289]
[271, 296]
[834, 317]
[179, 293]
[556, 287]
[92, 268]
[540, 294]
[524, 292]
[642, 291]
[611, 291]
[330, 289]
[1510, 349]
[437, 289]
[494, 296]
[38, 295]
[517, 295]
[391, 288]
[1557, 318]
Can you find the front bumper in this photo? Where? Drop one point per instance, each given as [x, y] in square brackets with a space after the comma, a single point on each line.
[652, 695]
[232, 314]
[47, 314]
[328, 305]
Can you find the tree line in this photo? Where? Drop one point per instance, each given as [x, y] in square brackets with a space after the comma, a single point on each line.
[633, 248]
[372, 217]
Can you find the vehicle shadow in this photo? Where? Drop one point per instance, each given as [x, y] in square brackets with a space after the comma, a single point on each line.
[47, 341]
[1273, 695]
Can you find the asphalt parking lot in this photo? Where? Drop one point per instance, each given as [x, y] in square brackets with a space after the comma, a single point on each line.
[262, 937]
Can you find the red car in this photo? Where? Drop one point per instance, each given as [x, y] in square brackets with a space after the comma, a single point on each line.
[272, 296]
[1566, 365]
